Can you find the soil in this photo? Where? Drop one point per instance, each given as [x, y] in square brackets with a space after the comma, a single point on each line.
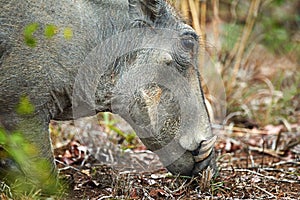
[248, 166]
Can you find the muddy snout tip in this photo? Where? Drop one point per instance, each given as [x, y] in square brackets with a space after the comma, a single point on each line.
[204, 150]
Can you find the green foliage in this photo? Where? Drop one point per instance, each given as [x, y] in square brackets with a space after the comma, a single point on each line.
[110, 123]
[278, 27]
[231, 34]
[50, 31]
[284, 107]
[38, 179]
[216, 187]
[68, 33]
[31, 175]
[24, 107]
[28, 34]
[279, 2]
[276, 37]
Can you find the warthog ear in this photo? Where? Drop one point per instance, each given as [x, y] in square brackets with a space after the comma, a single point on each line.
[146, 10]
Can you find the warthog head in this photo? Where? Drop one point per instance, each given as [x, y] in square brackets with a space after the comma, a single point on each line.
[156, 85]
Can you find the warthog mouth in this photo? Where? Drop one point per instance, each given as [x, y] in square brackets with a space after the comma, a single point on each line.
[185, 162]
[204, 150]
[204, 156]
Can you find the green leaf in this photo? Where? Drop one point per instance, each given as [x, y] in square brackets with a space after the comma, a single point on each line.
[50, 31]
[68, 33]
[25, 107]
[289, 93]
[28, 34]
[31, 42]
[279, 2]
[3, 137]
[17, 138]
[30, 149]
[30, 29]
[232, 33]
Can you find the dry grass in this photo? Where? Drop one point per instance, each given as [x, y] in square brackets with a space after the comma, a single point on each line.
[253, 77]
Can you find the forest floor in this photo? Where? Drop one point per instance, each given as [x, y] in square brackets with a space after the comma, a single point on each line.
[96, 163]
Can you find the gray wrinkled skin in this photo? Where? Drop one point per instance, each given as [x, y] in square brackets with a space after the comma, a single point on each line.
[48, 72]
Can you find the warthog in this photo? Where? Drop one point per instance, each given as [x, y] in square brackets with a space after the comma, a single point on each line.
[135, 58]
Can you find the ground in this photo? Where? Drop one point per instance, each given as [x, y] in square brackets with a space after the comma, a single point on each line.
[248, 165]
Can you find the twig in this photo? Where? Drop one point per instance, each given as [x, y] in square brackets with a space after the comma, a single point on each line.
[271, 152]
[251, 158]
[292, 144]
[197, 6]
[233, 114]
[263, 150]
[252, 14]
[216, 21]
[182, 186]
[195, 21]
[203, 33]
[106, 197]
[265, 191]
[185, 9]
[199, 31]
[259, 174]
[66, 167]
[238, 129]
[278, 140]
[233, 9]
[205, 179]
[286, 162]
[286, 124]
[203, 18]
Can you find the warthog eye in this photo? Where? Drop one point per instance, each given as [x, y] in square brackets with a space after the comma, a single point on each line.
[188, 43]
[189, 40]
[185, 50]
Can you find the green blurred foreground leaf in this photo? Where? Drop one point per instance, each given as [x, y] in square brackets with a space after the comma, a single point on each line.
[50, 31]
[25, 107]
[68, 33]
[27, 172]
[40, 181]
[28, 34]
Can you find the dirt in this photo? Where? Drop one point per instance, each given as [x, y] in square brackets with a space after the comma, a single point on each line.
[248, 167]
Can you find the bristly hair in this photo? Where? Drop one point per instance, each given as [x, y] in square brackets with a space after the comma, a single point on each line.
[151, 11]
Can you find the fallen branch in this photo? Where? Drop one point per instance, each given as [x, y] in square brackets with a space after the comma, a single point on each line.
[259, 174]
[270, 152]
[261, 189]
[66, 167]
[286, 162]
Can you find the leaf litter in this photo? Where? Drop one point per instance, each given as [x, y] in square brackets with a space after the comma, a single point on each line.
[252, 164]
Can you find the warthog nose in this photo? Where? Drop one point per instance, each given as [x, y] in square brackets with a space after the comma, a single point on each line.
[204, 149]
[164, 58]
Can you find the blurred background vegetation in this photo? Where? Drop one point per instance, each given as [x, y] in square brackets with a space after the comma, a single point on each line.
[255, 46]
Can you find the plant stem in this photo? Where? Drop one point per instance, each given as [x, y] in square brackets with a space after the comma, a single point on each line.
[251, 17]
